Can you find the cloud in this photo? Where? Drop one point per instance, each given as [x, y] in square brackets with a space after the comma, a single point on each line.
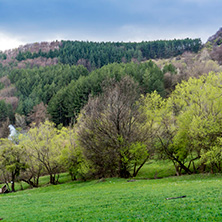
[7, 41]
[27, 21]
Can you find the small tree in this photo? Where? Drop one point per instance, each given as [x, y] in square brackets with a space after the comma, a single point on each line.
[38, 114]
[12, 161]
[44, 144]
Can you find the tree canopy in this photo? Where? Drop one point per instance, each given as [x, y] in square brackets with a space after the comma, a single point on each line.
[95, 55]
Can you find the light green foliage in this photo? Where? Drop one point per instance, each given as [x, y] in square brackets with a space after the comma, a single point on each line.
[45, 145]
[72, 157]
[12, 160]
[158, 116]
[187, 126]
[162, 121]
[198, 103]
[10, 156]
[154, 106]
[214, 154]
[137, 152]
[51, 150]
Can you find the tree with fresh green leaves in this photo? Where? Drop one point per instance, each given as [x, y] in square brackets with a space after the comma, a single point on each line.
[163, 122]
[12, 161]
[44, 144]
[72, 157]
[199, 106]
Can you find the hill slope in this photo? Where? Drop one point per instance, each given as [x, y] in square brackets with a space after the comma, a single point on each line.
[95, 55]
[119, 200]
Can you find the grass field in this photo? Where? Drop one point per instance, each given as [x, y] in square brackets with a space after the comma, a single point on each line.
[119, 200]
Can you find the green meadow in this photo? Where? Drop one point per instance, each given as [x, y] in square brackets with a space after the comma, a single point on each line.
[119, 200]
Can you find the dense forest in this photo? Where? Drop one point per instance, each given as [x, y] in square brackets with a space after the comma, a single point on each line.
[66, 89]
[3, 56]
[95, 55]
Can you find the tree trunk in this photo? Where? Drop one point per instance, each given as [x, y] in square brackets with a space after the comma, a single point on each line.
[13, 183]
[52, 179]
[73, 176]
[176, 169]
[194, 168]
[138, 169]
[123, 171]
[33, 184]
[182, 165]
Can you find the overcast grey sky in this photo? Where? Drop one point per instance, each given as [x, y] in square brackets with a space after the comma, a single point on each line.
[27, 21]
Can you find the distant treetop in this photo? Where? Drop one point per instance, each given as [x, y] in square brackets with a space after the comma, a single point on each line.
[95, 55]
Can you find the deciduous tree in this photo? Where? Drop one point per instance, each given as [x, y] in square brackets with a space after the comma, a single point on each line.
[44, 144]
[112, 131]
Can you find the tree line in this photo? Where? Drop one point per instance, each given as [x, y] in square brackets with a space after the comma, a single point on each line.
[95, 55]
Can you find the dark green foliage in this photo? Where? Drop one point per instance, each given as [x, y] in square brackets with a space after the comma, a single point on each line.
[153, 79]
[68, 102]
[169, 68]
[3, 56]
[1, 85]
[95, 55]
[28, 55]
[41, 84]
[66, 88]
[57, 108]
[4, 70]
[6, 111]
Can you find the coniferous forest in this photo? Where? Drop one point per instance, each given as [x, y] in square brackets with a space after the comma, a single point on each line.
[95, 55]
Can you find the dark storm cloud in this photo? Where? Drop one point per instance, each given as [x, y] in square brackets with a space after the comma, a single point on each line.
[115, 20]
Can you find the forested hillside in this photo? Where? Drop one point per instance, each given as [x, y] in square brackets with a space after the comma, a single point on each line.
[95, 55]
[106, 108]
[65, 88]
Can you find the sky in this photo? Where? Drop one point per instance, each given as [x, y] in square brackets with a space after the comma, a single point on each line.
[29, 21]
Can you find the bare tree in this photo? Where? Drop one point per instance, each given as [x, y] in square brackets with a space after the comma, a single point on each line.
[38, 114]
[112, 130]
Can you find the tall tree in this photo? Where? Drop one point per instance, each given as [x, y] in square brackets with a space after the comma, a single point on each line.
[112, 131]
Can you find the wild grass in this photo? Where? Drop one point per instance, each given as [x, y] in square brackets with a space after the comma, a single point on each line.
[119, 200]
[157, 169]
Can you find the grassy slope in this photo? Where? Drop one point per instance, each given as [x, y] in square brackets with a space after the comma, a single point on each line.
[119, 200]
